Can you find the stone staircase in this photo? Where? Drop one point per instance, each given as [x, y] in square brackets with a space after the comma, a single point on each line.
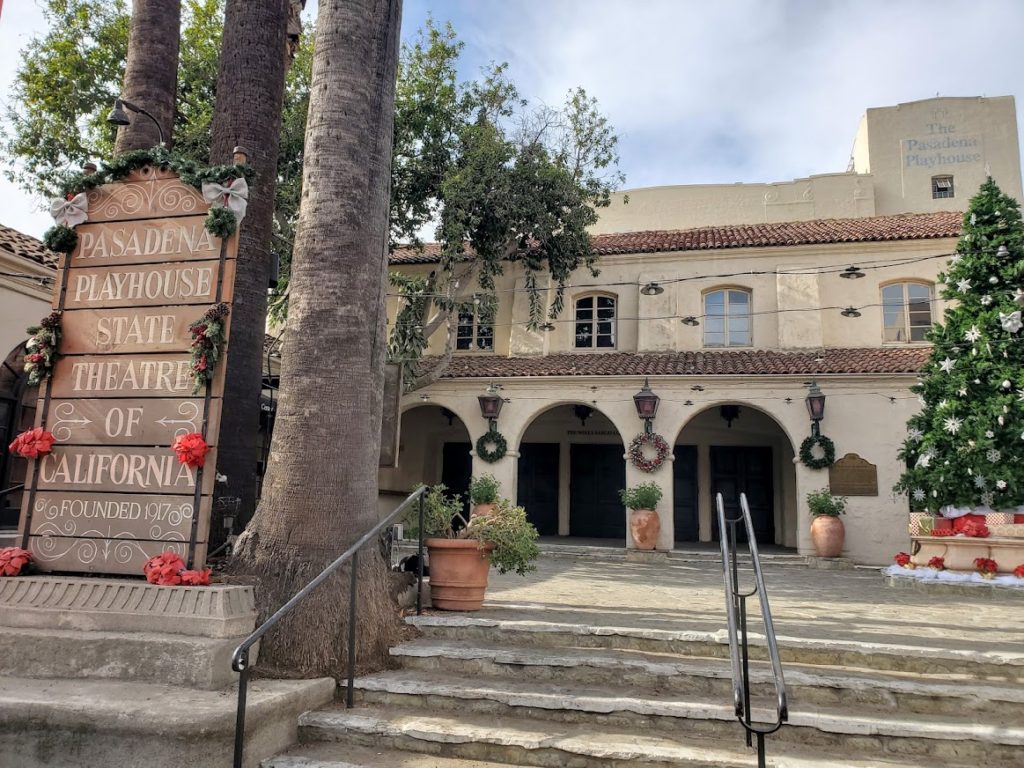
[475, 692]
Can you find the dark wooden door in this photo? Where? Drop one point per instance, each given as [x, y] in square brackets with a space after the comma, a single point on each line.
[456, 470]
[538, 485]
[744, 469]
[684, 493]
[598, 473]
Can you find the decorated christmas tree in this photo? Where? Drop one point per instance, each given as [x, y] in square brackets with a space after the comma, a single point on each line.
[966, 446]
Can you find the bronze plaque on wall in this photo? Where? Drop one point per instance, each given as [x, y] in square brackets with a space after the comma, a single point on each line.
[113, 493]
[853, 476]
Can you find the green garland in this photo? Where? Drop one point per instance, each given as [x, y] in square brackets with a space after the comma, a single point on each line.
[809, 459]
[60, 239]
[207, 342]
[221, 222]
[42, 348]
[491, 455]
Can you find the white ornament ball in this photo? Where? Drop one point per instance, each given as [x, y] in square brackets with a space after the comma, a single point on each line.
[993, 280]
[1006, 384]
[1000, 420]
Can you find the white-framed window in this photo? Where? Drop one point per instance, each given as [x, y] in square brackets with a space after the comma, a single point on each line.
[942, 186]
[475, 330]
[727, 318]
[906, 311]
[595, 322]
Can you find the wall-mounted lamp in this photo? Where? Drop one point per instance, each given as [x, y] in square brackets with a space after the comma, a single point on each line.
[646, 403]
[652, 289]
[729, 413]
[490, 405]
[118, 116]
[815, 406]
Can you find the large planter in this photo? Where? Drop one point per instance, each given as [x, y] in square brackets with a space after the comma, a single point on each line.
[827, 535]
[644, 525]
[458, 573]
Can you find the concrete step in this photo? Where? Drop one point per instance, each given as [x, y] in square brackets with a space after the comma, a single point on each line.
[925, 659]
[334, 755]
[192, 661]
[838, 732]
[74, 723]
[807, 686]
[529, 741]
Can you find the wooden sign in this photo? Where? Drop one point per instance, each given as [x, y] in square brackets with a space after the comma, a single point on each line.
[853, 476]
[113, 493]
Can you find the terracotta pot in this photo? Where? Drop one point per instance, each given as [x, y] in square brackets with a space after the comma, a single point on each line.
[483, 510]
[458, 573]
[645, 526]
[827, 535]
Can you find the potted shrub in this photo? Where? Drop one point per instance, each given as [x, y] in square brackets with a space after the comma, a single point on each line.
[644, 525]
[460, 557]
[483, 494]
[827, 531]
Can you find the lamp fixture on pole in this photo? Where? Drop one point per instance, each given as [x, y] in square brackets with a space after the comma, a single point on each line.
[118, 116]
[646, 403]
[815, 401]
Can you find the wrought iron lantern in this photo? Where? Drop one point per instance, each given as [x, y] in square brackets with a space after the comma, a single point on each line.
[118, 116]
[815, 406]
[646, 403]
[490, 404]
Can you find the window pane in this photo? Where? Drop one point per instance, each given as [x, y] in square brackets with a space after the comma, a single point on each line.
[738, 300]
[584, 313]
[585, 303]
[485, 337]
[738, 338]
[741, 324]
[918, 333]
[605, 302]
[606, 341]
[892, 294]
[584, 335]
[714, 339]
[918, 292]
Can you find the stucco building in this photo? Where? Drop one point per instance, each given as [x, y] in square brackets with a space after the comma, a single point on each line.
[730, 300]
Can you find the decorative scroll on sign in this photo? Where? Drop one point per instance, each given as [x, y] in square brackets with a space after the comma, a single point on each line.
[853, 476]
[113, 493]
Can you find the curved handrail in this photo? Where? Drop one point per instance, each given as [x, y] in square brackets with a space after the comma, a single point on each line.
[240, 658]
[737, 624]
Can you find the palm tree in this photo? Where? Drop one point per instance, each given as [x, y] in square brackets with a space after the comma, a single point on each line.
[250, 93]
[320, 491]
[151, 74]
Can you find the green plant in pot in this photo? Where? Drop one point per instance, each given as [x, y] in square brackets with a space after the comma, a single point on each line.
[483, 494]
[461, 552]
[644, 524]
[827, 531]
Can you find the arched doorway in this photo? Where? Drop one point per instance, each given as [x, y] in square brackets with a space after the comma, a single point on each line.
[571, 468]
[734, 448]
[17, 413]
[434, 447]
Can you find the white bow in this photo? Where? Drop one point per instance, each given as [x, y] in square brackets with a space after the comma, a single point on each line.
[1011, 322]
[234, 196]
[70, 213]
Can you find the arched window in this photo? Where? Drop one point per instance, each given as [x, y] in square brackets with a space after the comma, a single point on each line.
[727, 318]
[595, 322]
[906, 311]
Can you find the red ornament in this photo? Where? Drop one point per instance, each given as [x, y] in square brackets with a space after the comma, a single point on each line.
[164, 569]
[1019, 571]
[191, 449]
[196, 578]
[902, 559]
[938, 563]
[32, 443]
[13, 559]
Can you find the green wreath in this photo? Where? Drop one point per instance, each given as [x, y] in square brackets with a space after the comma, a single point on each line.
[491, 455]
[808, 459]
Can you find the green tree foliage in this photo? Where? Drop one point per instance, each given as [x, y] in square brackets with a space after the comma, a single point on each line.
[966, 446]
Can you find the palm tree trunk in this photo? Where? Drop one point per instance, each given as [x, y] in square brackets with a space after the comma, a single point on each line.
[151, 73]
[250, 93]
[320, 493]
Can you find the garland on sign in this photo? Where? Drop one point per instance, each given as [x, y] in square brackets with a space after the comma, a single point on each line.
[42, 349]
[207, 341]
[807, 457]
[225, 187]
[497, 453]
[636, 451]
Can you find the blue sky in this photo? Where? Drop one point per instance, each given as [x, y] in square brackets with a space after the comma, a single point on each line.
[699, 91]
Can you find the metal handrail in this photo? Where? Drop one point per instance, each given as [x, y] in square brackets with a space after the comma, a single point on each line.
[240, 658]
[736, 615]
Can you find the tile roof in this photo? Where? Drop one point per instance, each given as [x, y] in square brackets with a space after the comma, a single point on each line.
[705, 363]
[26, 246]
[906, 226]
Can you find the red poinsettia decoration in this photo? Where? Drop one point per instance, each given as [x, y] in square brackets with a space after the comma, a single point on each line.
[903, 560]
[1019, 571]
[938, 563]
[32, 443]
[13, 559]
[164, 569]
[196, 578]
[191, 449]
[986, 566]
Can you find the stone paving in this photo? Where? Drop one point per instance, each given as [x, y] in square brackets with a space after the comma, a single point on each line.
[851, 604]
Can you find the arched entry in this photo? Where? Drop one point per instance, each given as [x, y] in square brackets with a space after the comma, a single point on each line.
[434, 447]
[734, 448]
[17, 413]
[570, 471]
